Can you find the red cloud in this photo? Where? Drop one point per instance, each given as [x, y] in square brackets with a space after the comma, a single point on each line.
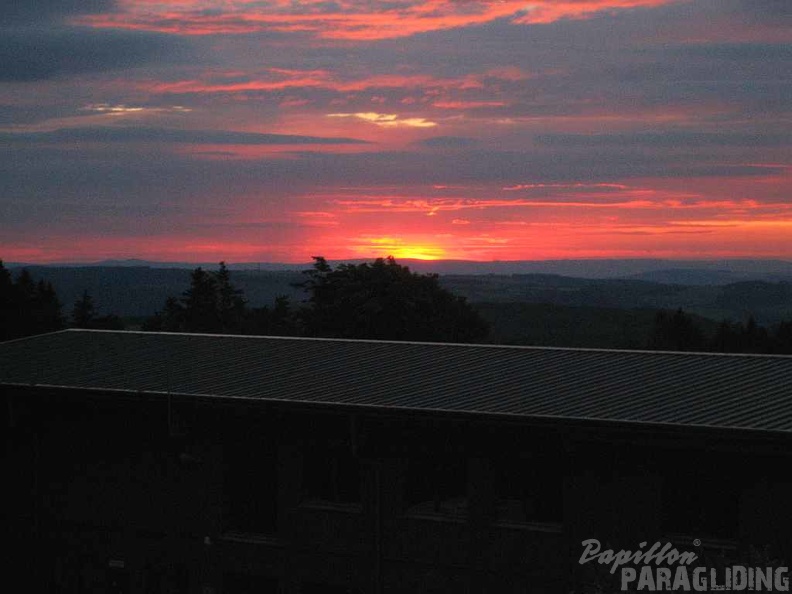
[349, 19]
[279, 80]
[467, 104]
[548, 11]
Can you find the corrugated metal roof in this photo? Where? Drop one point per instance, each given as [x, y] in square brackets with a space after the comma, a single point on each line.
[699, 389]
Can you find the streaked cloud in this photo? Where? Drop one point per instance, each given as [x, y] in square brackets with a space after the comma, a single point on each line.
[467, 104]
[122, 109]
[273, 130]
[449, 142]
[280, 79]
[358, 20]
[386, 120]
[671, 138]
[577, 187]
[167, 135]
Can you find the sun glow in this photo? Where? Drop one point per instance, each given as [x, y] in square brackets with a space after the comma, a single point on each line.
[418, 252]
[398, 248]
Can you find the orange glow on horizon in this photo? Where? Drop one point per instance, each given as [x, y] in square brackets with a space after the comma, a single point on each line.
[439, 237]
[275, 130]
[708, 218]
[542, 243]
[398, 248]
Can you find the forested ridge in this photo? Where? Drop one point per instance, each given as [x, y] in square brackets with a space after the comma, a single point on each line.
[382, 299]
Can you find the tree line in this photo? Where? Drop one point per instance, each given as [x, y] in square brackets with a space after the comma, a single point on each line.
[679, 331]
[377, 300]
[381, 300]
[26, 306]
[29, 307]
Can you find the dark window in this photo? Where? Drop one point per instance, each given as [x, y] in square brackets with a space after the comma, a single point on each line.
[317, 588]
[529, 489]
[701, 496]
[236, 583]
[251, 484]
[437, 486]
[165, 578]
[331, 469]
[331, 474]
[117, 581]
[68, 576]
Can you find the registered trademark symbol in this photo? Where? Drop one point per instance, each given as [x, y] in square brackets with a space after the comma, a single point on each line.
[696, 542]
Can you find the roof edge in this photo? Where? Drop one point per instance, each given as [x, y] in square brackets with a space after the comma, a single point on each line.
[420, 343]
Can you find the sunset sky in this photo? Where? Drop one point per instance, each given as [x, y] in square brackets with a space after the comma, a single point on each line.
[275, 130]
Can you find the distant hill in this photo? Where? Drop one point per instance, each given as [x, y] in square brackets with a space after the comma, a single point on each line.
[768, 302]
[692, 276]
[561, 290]
[135, 291]
[690, 272]
[539, 324]
[136, 263]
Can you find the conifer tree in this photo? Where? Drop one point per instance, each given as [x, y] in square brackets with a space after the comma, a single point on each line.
[7, 302]
[230, 302]
[384, 300]
[83, 312]
[200, 303]
[27, 307]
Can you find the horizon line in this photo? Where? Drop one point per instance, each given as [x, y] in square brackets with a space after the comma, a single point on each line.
[145, 261]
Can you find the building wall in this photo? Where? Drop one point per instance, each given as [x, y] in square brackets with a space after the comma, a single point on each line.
[133, 494]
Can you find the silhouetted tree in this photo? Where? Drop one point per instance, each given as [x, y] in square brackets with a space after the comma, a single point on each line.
[753, 338]
[782, 338]
[46, 310]
[200, 302]
[174, 319]
[676, 332]
[170, 319]
[85, 315]
[212, 304]
[384, 300]
[7, 303]
[279, 320]
[83, 312]
[230, 301]
[153, 323]
[27, 307]
[6, 282]
[726, 338]
[108, 322]
[25, 288]
[749, 338]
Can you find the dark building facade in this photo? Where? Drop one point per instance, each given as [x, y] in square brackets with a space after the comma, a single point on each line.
[147, 463]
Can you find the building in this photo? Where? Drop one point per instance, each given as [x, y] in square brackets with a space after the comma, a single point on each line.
[153, 462]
